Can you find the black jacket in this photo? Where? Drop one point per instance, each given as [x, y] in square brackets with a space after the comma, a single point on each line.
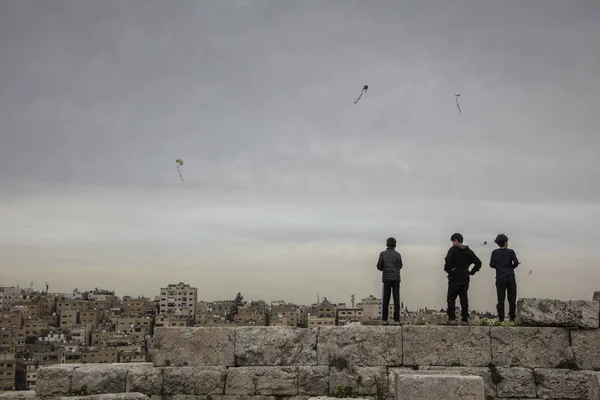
[458, 260]
[390, 263]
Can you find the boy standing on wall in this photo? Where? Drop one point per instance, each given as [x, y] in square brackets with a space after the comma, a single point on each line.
[390, 264]
[457, 263]
[504, 261]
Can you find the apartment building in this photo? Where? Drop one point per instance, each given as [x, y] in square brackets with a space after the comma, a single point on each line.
[26, 378]
[178, 299]
[68, 318]
[8, 296]
[140, 307]
[252, 313]
[92, 317]
[347, 316]
[316, 321]
[8, 371]
[283, 314]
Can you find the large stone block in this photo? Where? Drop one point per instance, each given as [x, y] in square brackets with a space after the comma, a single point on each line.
[586, 348]
[566, 384]
[467, 346]
[101, 378]
[551, 312]
[145, 379]
[268, 381]
[366, 381]
[194, 380]
[489, 387]
[392, 372]
[516, 382]
[313, 381]
[193, 347]
[360, 345]
[110, 396]
[275, 346]
[529, 347]
[436, 387]
[55, 380]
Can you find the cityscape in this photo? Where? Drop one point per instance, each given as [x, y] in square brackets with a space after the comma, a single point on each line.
[39, 327]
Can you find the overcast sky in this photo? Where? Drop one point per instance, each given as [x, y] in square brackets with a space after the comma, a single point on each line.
[290, 188]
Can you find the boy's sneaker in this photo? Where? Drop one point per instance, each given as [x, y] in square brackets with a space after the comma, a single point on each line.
[385, 323]
[511, 323]
[451, 322]
[501, 323]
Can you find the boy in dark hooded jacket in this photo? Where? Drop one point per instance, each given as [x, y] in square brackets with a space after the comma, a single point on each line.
[390, 264]
[458, 260]
[504, 261]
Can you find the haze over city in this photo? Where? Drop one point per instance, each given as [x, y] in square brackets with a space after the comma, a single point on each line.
[290, 189]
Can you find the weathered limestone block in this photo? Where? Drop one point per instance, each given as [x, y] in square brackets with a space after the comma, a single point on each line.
[566, 384]
[55, 380]
[313, 381]
[109, 396]
[145, 379]
[193, 347]
[194, 380]
[552, 312]
[467, 346]
[516, 382]
[18, 395]
[331, 398]
[222, 397]
[275, 346]
[489, 387]
[361, 345]
[586, 348]
[101, 378]
[529, 347]
[409, 371]
[269, 381]
[436, 387]
[365, 380]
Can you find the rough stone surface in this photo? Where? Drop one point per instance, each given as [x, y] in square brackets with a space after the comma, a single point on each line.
[275, 346]
[566, 384]
[313, 381]
[194, 380]
[110, 396]
[365, 380]
[529, 347]
[54, 380]
[193, 347]
[361, 345]
[551, 312]
[18, 395]
[436, 387]
[268, 381]
[145, 379]
[101, 378]
[406, 371]
[467, 346]
[516, 382]
[484, 372]
[586, 348]
[596, 297]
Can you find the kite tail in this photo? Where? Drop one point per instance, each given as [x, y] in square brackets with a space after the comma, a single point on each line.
[458, 106]
[361, 93]
[180, 173]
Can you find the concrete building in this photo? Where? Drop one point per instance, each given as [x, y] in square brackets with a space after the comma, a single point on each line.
[283, 314]
[68, 318]
[347, 316]
[316, 321]
[179, 299]
[8, 371]
[91, 317]
[26, 374]
[8, 296]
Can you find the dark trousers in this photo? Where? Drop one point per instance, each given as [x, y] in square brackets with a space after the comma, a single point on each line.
[506, 284]
[454, 291]
[388, 289]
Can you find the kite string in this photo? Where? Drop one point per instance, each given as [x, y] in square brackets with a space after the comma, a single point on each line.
[180, 173]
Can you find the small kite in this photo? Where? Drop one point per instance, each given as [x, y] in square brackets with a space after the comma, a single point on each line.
[456, 96]
[530, 272]
[179, 162]
[364, 90]
[483, 244]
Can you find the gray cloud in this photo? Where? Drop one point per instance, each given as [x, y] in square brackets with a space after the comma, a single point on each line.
[97, 100]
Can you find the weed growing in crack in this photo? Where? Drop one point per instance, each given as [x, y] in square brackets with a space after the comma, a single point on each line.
[497, 378]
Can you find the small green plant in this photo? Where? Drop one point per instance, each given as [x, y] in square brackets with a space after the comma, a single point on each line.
[484, 322]
[82, 391]
[415, 367]
[497, 378]
[208, 397]
[338, 362]
[569, 364]
[344, 392]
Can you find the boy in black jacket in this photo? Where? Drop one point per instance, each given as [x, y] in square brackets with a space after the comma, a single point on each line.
[390, 264]
[504, 261]
[458, 260]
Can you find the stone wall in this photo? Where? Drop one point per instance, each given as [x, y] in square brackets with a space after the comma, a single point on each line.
[272, 363]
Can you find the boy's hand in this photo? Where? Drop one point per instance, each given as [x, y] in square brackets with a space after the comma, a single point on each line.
[471, 272]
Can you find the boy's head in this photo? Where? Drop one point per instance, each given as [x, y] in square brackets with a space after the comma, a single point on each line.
[391, 242]
[457, 238]
[501, 240]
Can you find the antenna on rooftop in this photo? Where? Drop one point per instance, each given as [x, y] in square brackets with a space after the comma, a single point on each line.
[318, 299]
[352, 300]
